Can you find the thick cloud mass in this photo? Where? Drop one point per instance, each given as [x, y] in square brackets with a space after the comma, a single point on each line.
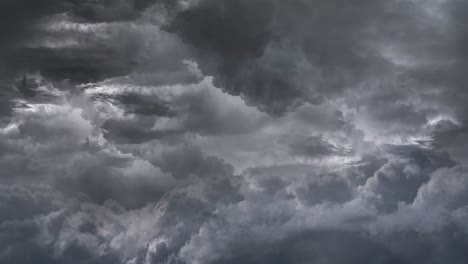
[247, 131]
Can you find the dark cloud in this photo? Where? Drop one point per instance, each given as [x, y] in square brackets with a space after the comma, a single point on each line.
[204, 131]
[108, 11]
[18, 202]
[452, 138]
[318, 246]
[73, 64]
[279, 54]
[326, 188]
[135, 131]
[232, 35]
[17, 18]
[230, 29]
[188, 161]
[311, 146]
[144, 106]
[72, 40]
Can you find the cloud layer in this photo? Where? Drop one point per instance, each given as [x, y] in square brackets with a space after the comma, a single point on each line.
[212, 132]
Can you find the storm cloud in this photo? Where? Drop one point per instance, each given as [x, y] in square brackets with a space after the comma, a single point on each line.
[220, 131]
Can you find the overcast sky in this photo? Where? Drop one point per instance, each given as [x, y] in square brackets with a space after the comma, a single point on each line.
[233, 131]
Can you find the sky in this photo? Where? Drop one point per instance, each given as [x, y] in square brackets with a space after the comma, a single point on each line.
[233, 131]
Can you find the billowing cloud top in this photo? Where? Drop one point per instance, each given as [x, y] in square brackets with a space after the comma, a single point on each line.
[233, 131]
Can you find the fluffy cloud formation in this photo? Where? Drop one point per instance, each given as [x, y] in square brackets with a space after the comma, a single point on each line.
[203, 131]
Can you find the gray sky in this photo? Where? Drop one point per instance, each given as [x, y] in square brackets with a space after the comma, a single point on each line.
[233, 131]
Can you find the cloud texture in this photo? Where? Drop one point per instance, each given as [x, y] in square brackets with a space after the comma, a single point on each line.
[220, 131]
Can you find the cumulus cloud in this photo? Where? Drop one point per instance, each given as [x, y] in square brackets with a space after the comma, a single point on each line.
[203, 131]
